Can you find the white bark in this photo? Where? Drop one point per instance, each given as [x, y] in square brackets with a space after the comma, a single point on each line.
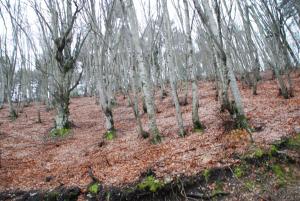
[190, 65]
[170, 62]
[129, 13]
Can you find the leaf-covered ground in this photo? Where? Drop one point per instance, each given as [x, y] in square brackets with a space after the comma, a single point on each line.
[30, 159]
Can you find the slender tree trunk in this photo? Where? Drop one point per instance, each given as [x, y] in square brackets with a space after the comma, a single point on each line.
[134, 81]
[190, 65]
[146, 82]
[236, 109]
[104, 101]
[170, 62]
[252, 49]
[100, 62]
[9, 92]
[2, 88]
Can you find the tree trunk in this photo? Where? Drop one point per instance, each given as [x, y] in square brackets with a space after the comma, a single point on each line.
[100, 62]
[190, 65]
[9, 92]
[213, 27]
[134, 81]
[145, 77]
[62, 116]
[172, 66]
[2, 89]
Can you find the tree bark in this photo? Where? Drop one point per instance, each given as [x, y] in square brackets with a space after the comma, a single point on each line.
[146, 82]
[195, 102]
[172, 66]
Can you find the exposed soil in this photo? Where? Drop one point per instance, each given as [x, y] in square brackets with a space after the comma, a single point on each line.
[30, 159]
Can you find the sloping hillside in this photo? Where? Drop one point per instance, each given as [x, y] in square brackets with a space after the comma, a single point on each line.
[31, 159]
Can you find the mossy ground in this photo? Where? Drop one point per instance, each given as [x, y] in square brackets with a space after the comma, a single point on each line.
[156, 139]
[110, 135]
[198, 127]
[94, 188]
[294, 143]
[206, 173]
[150, 183]
[63, 132]
[260, 173]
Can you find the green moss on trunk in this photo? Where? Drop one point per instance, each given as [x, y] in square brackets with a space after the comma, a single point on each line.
[198, 126]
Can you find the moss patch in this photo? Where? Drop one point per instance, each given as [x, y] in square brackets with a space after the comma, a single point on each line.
[258, 153]
[94, 188]
[60, 132]
[110, 135]
[156, 139]
[273, 150]
[151, 184]
[294, 143]
[238, 172]
[52, 196]
[250, 185]
[241, 122]
[206, 174]
[279, 173]
[198, 127]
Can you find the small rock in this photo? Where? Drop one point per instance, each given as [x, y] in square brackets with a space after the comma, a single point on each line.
[168, 179]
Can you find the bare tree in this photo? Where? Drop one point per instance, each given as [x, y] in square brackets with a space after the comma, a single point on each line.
[101, 56]
[172, 67]
[190, 65]
[62, 32]
[213, 27]
[131, 20]
[9, 57]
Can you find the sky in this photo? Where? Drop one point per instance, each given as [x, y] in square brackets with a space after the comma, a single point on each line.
[28, 13]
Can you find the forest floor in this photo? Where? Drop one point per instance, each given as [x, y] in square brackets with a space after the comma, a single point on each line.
[30, 159]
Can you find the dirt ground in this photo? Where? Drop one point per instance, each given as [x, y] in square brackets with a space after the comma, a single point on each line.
[29, 155]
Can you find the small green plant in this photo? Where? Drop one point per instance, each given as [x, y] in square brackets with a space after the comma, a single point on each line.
[250, 185]
[258, 153]
[273, 150]
[60, 132]
[280, 174]
[151, 184]
[94, 188]
[294, 142]
[110, 135]
[239, 172]
[206, 174]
